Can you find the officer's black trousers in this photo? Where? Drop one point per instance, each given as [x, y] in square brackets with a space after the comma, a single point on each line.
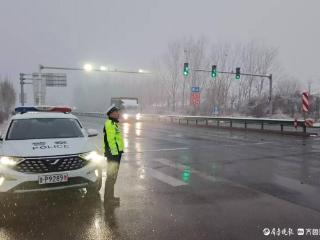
[112, 174]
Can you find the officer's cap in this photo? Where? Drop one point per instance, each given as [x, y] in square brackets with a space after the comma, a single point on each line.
[111, 109]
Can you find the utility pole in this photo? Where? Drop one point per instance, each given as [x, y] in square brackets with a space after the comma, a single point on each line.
[309, 86]
[270, 95]
[41, 88]
[23, 78]
[22, 89]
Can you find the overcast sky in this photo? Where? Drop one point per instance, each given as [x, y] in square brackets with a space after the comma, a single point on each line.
[132, 33]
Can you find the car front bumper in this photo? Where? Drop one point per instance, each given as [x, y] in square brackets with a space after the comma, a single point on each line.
[17, 182]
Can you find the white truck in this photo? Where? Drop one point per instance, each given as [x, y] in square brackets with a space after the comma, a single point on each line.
[129, 108]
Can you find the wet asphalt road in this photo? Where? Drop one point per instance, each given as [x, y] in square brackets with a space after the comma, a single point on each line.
[180, 182]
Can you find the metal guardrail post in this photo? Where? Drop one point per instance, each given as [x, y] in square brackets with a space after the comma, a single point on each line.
[207, 122]
[231, 123]
[245, 124]
[196, 122]
[281, 127]
[262, 125]
[179, 121]
[304, 129]
[187, 122]
[218, 123]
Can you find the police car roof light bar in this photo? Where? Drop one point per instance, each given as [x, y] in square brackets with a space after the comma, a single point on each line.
[23, 110]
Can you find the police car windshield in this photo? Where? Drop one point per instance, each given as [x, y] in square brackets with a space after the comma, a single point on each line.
[44, 128]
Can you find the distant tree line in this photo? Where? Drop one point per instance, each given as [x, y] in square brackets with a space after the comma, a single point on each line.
[7, 98]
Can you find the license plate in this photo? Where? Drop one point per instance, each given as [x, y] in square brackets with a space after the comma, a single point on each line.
[56, 178]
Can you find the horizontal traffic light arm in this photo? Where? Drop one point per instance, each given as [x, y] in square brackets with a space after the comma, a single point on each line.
[234, 73]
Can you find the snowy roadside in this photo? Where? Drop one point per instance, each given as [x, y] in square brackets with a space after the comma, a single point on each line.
[3, 126]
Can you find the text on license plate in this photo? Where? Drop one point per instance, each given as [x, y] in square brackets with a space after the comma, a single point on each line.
[56, 178]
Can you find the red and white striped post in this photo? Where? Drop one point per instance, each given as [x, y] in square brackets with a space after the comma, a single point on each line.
[309, 122]
[305, 109]
[305, 102]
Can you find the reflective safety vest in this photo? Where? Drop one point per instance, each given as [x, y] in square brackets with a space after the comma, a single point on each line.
[113, 142]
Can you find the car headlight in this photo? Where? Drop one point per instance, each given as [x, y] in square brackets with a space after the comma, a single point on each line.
[93, 156]
[1, 180]
[138, 116]
[10, 161]
[125, 116]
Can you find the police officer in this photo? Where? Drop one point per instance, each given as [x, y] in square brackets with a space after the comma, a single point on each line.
[113, 148]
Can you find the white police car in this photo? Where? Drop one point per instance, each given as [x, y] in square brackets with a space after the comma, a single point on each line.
[46, 149]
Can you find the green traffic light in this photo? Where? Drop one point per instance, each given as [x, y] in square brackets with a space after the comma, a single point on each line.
[214, 71]
[186, 174]
[238, 73]
[186, 69]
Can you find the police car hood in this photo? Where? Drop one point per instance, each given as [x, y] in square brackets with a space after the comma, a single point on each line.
[45, 147]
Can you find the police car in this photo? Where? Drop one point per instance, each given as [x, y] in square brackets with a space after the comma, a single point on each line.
[47, 148]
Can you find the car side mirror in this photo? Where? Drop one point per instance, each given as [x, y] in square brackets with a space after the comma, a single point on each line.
[92, 133]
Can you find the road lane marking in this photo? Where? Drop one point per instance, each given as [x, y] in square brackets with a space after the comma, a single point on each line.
[246, 144]
[188, 148]
[163, 177]
[286, 182]
[159, 150]
[181, 167]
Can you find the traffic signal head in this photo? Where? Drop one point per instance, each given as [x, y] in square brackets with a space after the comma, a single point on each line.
[237, 73]
[186, 69]
[214, 71]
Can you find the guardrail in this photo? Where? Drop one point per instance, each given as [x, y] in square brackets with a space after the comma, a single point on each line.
[282, 125]
[263, 124]
[90, 114]
[104, 115]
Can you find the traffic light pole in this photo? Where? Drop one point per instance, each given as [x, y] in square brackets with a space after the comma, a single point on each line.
[251, 75]
[270, 94]
[21, 89]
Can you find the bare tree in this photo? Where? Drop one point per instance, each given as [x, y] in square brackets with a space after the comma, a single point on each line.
[171, 87]
[195, 54]
[287, 86]
[168, 74]
[256, 58]
[7, 97]
[218, 88]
